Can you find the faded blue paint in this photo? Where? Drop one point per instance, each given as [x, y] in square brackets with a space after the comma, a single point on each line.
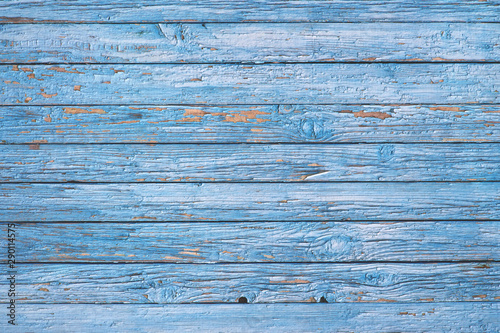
[467, 317]
[287, 242]
[251, 124]
[247, 42]
[249, 163]
[131, 11]
[403, 214]
[250, 201]
[258, 283]
[250, 84]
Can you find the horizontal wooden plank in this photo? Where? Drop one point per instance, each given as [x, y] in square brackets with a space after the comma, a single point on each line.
[256, 242]
[250, 201]
[467, 317]
[250, 84]
[249, 163]
[258, 283]
[258, 123]
[247, 42]
[240, 11]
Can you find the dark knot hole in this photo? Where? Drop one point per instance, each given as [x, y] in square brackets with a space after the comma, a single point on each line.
[242, 300]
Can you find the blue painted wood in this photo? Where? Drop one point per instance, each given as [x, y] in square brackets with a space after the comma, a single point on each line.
[259, 283]
[219, 43]
[245, 242]
[248, 11]
[257, 123]
[250, 84]
[425, 246]
[249, 163]
[250, 201]
[470, 317]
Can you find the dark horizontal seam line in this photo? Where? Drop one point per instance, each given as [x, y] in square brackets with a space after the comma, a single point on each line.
[90, 183]
[269, 143]
[206, 305]
[254, 182]
[258, 104]
[246, 104]
[99, 22]
[263, 221]
[251, 62]
[472, 104]
[276, 263]
[138, 222]
[252, 221]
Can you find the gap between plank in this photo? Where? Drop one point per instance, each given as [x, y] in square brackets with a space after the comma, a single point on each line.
[255, 63]
[147, 262]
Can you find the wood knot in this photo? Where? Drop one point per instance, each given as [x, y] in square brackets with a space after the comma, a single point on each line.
[313, 128]
[386, 152]
[378, 279]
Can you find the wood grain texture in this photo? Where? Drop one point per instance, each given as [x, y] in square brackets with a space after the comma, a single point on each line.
[175, 154]
[250, 84]
[259, 283]
[250, 201]
[468, 317]
[219, 43]
[240, 11]
[249, 163]
[258, 123]
[257, 242]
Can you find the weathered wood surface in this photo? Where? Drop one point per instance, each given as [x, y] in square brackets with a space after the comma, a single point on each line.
[249, 163]
[470, 317]
[257, 242]
[215, 43]
[250, 84]
[131, 11]
[403, 210]
[258, 123]
[250, 201]
[259, 283]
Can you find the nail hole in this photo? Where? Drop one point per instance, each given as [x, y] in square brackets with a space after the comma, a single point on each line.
[323, 300]
[242, 300]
